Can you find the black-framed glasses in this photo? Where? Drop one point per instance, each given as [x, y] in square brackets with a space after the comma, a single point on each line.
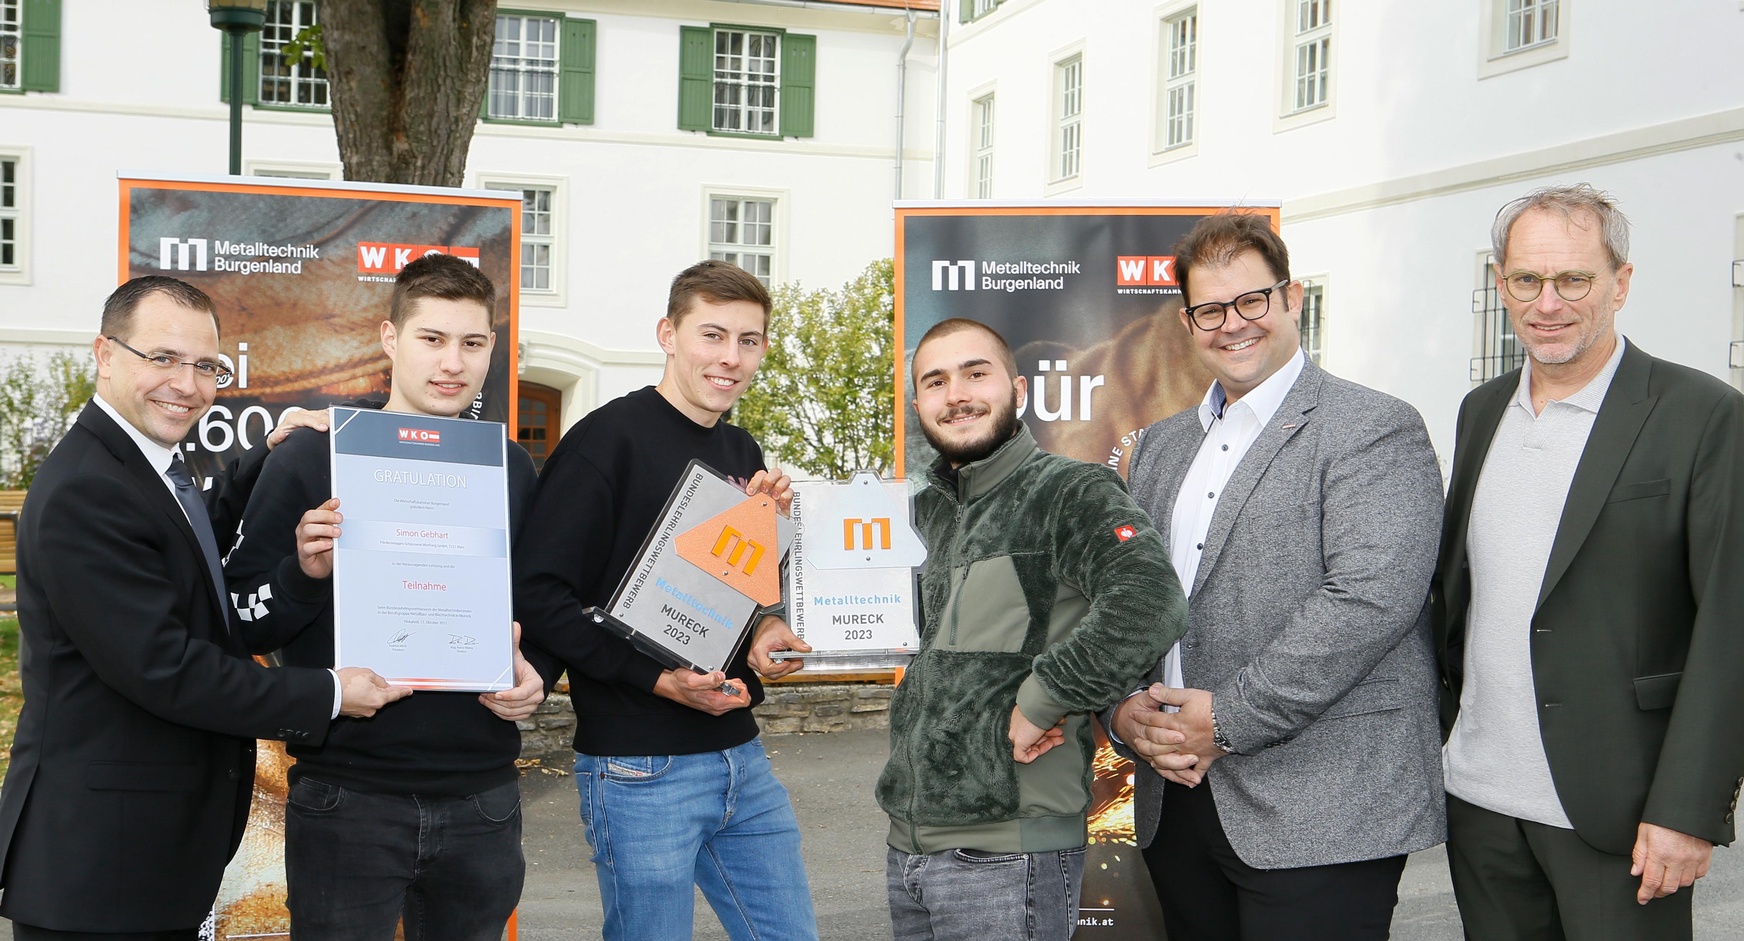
[1250, 306]
[203, 369]
[1525, 286]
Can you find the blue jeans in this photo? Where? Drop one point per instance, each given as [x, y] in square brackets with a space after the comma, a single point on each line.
[968, 895]
[356, 862]
[719, 820]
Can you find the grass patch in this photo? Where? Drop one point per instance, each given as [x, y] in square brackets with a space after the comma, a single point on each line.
[11, 692]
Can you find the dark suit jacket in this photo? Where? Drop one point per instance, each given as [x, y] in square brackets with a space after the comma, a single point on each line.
[1637, 648]
[133, 763]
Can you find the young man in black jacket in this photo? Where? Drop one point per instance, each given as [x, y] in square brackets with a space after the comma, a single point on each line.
[675, 786]
[415, 813]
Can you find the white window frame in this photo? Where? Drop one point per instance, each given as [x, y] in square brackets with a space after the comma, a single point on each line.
[12, 11]
[1290, 13]
[746, 81]
[1314, 286]
[983, 126]
[292, 170]
[1177, 79]
[270, 45]
[557, 240]
[1495, 348]
[1494, 56]
[527, 69]
[776, 250]
[19, 214]
[1066, 120]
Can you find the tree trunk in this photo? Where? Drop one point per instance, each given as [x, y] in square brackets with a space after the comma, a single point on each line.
[407, 77]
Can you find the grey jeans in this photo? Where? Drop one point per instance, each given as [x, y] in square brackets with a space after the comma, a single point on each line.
[968, 895]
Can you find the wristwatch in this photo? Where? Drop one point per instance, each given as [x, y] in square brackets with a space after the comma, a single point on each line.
[1218, 738]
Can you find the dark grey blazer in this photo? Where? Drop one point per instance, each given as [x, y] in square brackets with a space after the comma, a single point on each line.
[1636, 645]
[1309, 623]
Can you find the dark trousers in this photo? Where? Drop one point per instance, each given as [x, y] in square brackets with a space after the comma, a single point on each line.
[1208, 894]
[33, 933]
[357, 862]
[1516, 880]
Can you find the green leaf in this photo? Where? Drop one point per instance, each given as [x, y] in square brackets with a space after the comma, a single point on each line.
[824, 398]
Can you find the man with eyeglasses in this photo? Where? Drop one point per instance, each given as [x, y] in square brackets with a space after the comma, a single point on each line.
[1589, 641]
[1291, 734]
[133, 763]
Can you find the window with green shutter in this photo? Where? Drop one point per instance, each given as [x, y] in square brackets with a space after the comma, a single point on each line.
[968, 10]
[270, 79]
[735, 80]
[283, 81]
[542, 69]
[30, 45]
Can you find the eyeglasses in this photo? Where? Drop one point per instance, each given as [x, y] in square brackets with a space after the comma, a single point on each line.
[1251, 306]
[203, 369]
[1569, 285]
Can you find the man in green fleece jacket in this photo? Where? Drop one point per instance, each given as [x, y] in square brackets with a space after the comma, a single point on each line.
[1045, 596]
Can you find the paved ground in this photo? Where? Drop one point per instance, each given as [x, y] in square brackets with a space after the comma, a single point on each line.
[831, 778]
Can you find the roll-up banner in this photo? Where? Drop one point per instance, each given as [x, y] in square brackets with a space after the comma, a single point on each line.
[301, 273]
[1087, 297]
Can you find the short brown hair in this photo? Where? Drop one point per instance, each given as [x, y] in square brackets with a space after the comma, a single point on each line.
[443, 276]
[118, 310]
[945, 328]
[1216, 240]
[717, 282]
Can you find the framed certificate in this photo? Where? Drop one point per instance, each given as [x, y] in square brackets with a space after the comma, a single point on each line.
[710, 564]
[850, 583]
[421, 584]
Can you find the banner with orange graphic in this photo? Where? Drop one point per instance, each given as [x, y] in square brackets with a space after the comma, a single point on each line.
[301, 272]
[1088, 298]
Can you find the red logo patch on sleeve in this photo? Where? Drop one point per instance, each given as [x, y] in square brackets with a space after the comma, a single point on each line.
[1123, 533]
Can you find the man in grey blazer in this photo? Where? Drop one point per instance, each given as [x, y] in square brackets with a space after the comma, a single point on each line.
[1302, 513]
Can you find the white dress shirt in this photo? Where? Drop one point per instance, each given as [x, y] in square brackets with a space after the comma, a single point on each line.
[1231, 428]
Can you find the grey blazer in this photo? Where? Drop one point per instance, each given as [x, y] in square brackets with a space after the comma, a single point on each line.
[1309, 623]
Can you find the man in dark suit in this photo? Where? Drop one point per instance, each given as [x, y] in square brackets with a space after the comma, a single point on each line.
[1300, 511]
[1590, 572]
[133, 763]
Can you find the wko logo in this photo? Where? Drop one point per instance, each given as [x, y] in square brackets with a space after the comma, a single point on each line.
[175, 254]
[732, 546]
[958, 275]
[387, 258]
[1146, 271]
[863, 528]
[420, 436]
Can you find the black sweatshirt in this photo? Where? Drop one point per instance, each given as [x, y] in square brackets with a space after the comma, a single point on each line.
[600, 494]
[439, 743]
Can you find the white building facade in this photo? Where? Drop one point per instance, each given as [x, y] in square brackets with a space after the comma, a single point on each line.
[643, 135]
[1392, 132]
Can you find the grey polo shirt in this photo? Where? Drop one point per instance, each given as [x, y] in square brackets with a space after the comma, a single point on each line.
[1495, 755]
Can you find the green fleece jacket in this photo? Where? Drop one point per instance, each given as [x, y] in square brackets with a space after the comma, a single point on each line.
[1047, 588]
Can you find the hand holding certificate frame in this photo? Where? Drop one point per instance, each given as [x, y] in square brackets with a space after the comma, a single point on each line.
[712, 562]
[421, 585]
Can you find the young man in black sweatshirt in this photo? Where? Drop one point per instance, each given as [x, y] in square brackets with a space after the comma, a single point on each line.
[675, 786]
[416, 812]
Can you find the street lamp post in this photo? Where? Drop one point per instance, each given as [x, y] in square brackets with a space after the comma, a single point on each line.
[236, 18]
